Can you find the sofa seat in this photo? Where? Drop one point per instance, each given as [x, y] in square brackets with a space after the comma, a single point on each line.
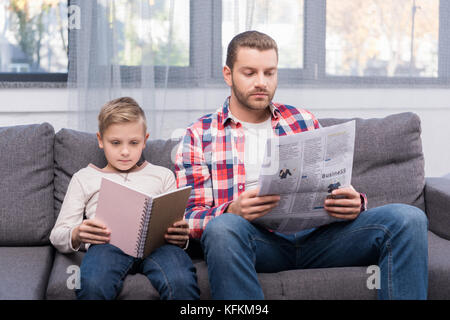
[438, 267]
[24, 272]
[135, 287]
[345, 283]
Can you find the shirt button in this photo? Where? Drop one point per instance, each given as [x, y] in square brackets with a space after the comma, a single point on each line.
[240, 187]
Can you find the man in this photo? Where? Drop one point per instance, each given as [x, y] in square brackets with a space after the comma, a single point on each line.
[220, 157]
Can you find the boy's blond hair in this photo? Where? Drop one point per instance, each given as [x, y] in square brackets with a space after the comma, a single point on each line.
[120, 110]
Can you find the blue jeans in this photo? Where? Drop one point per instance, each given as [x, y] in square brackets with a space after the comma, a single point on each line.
[169, 269]
[393, 236]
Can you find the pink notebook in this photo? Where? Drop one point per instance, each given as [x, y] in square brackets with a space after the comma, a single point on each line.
[137, 220]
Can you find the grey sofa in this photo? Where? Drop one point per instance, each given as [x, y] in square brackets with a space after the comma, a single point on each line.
[36, 166]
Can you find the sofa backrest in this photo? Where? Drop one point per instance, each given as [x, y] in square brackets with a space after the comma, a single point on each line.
[388, 164]
[26, 184]
[74, 150]
[36, 166]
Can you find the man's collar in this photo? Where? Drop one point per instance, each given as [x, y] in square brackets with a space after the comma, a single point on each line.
[226, 114]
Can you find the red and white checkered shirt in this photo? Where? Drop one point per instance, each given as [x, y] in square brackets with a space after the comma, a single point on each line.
[210, 158]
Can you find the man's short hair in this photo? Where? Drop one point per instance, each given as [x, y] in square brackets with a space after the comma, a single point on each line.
[249, 39]
[120, 110]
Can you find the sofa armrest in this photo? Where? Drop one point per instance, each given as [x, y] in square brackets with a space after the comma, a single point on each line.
[437, 205]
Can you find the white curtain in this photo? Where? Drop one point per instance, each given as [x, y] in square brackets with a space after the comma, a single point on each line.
[126, 48]
[168, 54]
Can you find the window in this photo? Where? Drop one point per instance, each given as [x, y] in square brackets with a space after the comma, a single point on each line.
[356, 42]
[148, 32]
[282, 19]
[321, 42]
[389, 38]
[33, 40]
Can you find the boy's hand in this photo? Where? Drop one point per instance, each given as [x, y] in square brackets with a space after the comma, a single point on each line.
[90, 231]
[178, 234]
[346, 206]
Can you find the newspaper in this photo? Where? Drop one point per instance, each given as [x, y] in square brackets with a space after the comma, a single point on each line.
[303, 169]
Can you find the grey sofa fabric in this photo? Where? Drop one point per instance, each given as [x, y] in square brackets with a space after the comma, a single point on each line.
[347, 283]
[135, 287]
[61, 274]
[327, 283]
[388, 166]
[437, 192]
[24, 272]
[26, 184]
[161, 153]
[388, 163]
[438, 267]
[74, 150]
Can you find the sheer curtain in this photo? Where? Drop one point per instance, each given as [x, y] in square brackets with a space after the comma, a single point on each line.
[168, 54]
[126, 48]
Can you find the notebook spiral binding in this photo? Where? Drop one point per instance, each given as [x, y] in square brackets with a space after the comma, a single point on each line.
[143, 227]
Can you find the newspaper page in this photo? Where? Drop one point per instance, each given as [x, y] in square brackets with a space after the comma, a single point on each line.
[303, 169]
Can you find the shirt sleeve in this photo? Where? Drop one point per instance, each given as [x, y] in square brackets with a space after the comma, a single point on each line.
[169, 182]
[192, 169]
[70, 216]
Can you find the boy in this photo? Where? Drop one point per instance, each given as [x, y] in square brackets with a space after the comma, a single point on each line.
[122, 135]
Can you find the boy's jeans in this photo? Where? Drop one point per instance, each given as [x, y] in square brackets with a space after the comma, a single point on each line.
[169, 269]
[394, 237]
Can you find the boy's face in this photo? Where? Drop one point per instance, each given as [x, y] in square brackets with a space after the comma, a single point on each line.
[123, 144]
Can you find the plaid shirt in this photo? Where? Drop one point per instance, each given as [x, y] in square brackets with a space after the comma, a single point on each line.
[210, 158]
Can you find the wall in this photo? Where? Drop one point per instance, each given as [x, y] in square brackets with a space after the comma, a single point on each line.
[23, 106]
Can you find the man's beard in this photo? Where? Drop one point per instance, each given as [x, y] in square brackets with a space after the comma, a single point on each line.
[244, 99]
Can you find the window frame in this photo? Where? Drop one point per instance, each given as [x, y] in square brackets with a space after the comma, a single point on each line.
[314, 74]
[37, 77]
[205, 66]
[177, 77]
[368, 81]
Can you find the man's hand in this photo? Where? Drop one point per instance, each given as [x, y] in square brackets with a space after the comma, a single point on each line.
[249, 206]
[90, 231]
[178, 233]
[344, 203]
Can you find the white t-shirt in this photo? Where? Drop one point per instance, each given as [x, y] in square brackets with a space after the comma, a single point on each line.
[256, 135]
[82, 196]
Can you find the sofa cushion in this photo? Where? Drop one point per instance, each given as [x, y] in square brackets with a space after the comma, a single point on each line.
[61, 285]
[326, 283]
[342, 283]
[437, 202]
[388, 164]
[63, 276]
[74, 150]
[26, 184]
[24, 272]
[438, 267]
[305, 284]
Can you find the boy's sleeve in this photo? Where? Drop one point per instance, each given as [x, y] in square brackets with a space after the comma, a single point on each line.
[192, 169]
[70, 216]
[169, 182]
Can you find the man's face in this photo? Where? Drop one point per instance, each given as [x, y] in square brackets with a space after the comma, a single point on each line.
[253, 80]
